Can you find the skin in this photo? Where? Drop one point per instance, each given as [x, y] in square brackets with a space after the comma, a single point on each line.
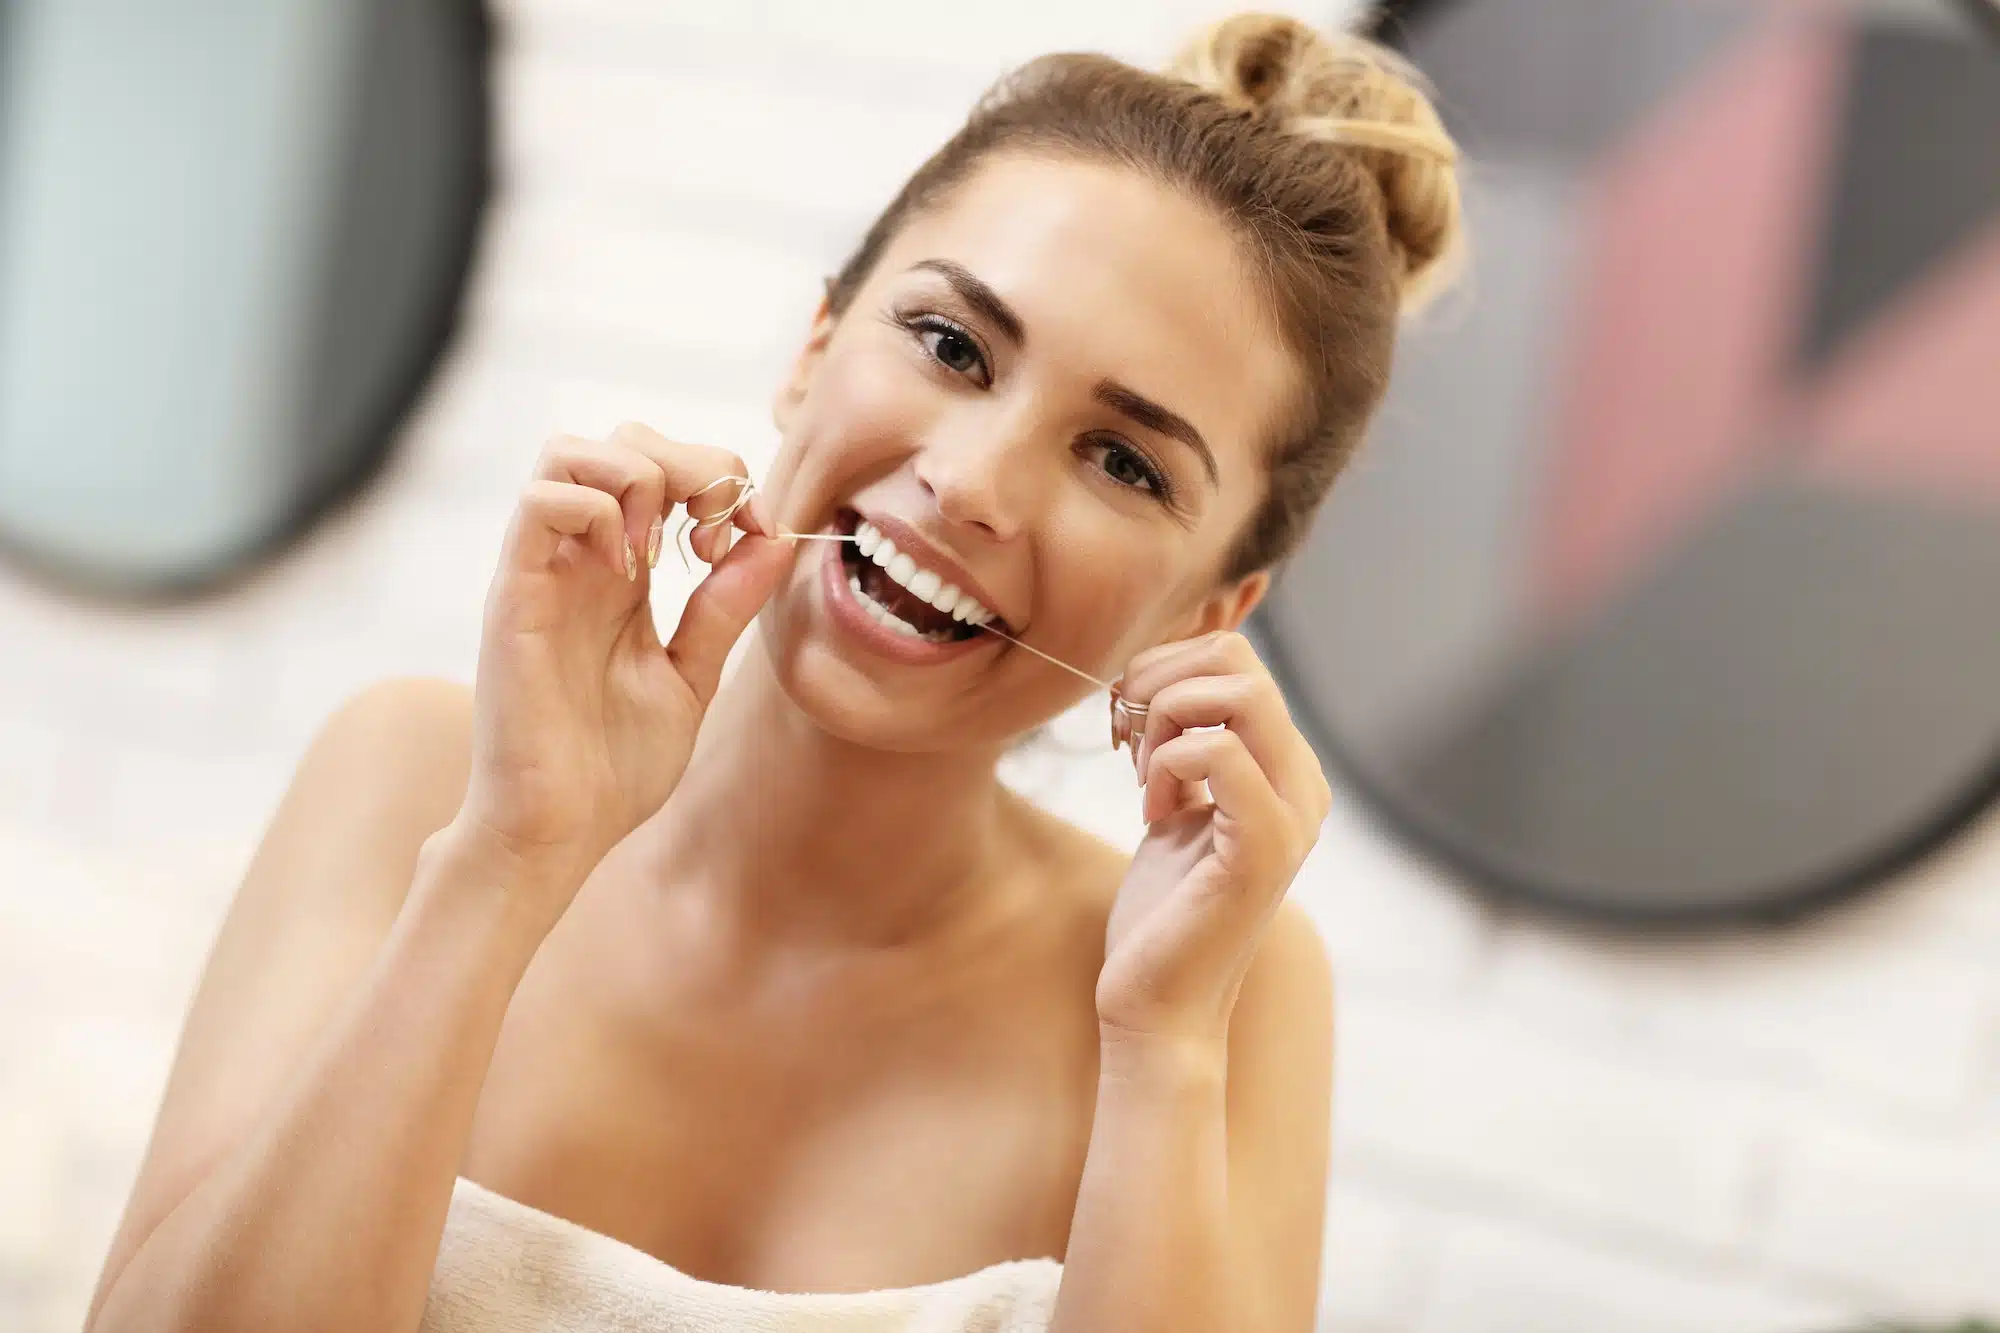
[894, 1024]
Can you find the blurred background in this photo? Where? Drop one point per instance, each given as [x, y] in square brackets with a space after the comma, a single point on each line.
[1654, 641]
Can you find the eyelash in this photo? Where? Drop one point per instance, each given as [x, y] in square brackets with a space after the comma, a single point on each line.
[919, 325]
[1157, 484]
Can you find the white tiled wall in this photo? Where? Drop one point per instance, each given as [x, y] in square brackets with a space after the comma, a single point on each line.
[1537, 1131]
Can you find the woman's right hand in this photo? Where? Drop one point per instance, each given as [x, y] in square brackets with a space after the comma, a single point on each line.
[583, 720]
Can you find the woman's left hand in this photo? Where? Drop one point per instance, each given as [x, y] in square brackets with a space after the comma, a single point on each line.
[1211, 870]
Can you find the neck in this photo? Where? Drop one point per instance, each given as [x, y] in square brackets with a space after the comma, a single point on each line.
[789, 832]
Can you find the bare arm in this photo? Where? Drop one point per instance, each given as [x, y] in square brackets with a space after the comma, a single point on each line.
[332, 1059]
[1200, 1208]
[1203, 1193]
[302, 1165]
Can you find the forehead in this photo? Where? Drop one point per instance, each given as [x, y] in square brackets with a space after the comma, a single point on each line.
[1118, 275]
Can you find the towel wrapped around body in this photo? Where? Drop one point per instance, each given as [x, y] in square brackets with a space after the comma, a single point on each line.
[504, 1267]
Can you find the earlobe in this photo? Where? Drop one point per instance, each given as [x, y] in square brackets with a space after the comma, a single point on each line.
[1230, 605]
[1250, 590]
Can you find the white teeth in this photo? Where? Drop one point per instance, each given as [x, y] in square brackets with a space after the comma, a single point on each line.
[881, 614]
[924, 584]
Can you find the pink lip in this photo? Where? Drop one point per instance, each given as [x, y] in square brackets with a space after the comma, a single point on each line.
[879, 639]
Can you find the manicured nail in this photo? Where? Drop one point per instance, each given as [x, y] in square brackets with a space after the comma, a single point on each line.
[631, 562]
[653, 543]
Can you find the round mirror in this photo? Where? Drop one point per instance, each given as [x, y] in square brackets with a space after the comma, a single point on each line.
[232, 245]
[1668, 588]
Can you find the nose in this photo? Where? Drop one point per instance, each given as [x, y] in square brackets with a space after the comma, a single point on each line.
[987, 477]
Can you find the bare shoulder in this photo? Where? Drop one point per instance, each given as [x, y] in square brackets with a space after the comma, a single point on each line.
[315, 904]
[396, 754]
[1279, 1099]
[1291, 981]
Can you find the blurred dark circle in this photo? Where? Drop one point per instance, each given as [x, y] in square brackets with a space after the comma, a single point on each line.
[404, 176]
[1557, 629]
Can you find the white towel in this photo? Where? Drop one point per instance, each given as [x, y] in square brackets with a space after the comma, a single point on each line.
[507, 1268]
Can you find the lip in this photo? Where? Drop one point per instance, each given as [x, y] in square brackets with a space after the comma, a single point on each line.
[930, 557]
[879, 639]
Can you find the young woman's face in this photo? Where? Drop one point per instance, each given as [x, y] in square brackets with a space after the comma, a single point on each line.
[1052, 393]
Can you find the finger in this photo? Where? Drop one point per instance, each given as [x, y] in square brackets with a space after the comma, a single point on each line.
[1221, 653]
[692, 468]
[1252, 706]
[712, 543]
[635, 479]
[1235, 783]
[551, 511]
[1208, 701]
[721, 606]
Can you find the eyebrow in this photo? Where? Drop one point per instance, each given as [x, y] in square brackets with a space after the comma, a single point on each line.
[1153, 417]
[1126, 402]
[979, 296]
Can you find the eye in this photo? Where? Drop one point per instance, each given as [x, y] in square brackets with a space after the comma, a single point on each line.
[951, 346]
[1127, 466]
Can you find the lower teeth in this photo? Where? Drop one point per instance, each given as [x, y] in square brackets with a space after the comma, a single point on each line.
[884, 616]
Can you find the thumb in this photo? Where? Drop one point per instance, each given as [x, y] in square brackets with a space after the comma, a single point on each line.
[722, 607]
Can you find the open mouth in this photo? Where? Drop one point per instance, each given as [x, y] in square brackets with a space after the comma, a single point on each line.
[900, 594]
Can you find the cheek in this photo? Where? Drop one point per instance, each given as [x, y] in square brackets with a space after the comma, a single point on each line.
[1108, 583]
[859, 419]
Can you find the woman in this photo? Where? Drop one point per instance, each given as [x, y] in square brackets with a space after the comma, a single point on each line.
[773, 981]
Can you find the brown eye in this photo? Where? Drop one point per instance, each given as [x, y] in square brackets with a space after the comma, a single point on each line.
[1127, 466]
[953, 350]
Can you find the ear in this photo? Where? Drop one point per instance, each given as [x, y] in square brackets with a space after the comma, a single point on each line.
[792, 391]
[1231, 604]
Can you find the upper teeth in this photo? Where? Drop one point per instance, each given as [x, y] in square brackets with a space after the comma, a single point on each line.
[923, 584]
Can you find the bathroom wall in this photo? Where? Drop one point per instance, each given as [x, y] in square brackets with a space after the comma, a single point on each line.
[1536, 1129]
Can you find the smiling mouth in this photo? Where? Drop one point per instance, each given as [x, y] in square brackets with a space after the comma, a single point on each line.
[900, 593]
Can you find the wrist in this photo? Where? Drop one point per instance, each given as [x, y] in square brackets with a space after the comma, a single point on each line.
[1162, 1058]
[461, 870]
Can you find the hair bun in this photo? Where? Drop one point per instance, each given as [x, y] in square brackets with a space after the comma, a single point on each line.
[1346, 90]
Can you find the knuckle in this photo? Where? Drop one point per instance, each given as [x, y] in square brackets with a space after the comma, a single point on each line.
[541, 493]
[650, 475]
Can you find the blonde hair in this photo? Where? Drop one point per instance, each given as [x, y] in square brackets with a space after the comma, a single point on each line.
[1347, 90]
[1321, 150]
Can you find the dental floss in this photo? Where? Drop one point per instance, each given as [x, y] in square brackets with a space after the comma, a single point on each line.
[749, 488]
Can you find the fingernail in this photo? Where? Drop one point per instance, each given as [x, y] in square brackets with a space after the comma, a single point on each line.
[760, 513]
[631, 561]
[653, 543]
